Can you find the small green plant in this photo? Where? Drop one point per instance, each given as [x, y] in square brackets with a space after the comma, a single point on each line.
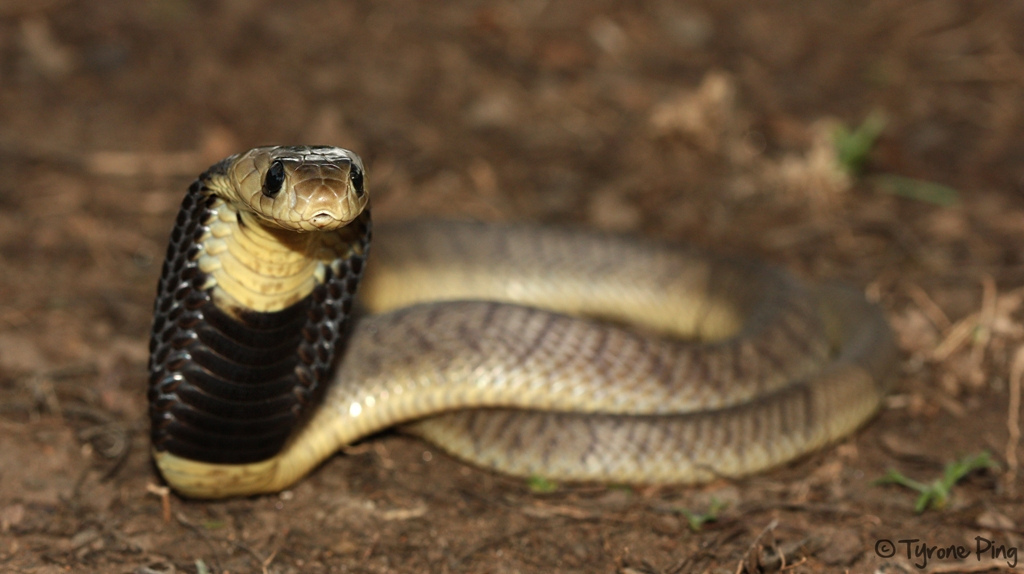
[214, 524]
[936, 494]
[698, 520]
[854, 146]
[201, 567]
[918, 190]
[541, 485]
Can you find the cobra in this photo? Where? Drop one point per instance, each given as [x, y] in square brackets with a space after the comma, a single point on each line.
[533, 351]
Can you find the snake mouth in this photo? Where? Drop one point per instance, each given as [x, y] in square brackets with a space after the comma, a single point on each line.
[326, 221]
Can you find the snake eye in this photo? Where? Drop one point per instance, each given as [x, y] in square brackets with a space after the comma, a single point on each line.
[274, 179]
[356, 175]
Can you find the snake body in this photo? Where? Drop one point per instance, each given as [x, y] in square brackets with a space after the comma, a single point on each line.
[505, 345]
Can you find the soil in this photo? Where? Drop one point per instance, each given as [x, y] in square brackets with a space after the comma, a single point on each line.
[712, 122]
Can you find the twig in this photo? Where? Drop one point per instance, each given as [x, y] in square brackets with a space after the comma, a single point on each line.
[929, 307]
[165, 499]
[989, 298]
[198, 531]
[979, 323]
[753, 545]
[263, 562]
[956, 336]
[1013, 421]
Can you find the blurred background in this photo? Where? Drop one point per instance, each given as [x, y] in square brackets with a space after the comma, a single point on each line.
[877, 142]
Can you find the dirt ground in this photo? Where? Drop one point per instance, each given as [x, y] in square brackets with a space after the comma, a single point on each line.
[709, 121]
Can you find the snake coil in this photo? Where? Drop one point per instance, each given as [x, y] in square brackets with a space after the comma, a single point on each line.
[253, 307]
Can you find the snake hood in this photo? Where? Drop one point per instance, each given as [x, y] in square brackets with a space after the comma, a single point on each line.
[254, 298]
[297, 188]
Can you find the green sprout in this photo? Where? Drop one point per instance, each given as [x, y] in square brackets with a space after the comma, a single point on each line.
[698, 520]
[936, 494]
[854, 146]
[918, 190]
[541, 485]
[214, 524]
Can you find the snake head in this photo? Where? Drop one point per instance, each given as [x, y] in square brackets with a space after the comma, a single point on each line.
[299, 188]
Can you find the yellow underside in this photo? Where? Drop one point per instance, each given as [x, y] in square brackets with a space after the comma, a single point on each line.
[257, 268]
[207, 480]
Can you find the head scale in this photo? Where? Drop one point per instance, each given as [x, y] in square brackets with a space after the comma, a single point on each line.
[300, 188]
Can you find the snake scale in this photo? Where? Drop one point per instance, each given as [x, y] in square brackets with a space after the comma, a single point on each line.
[531, 350]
